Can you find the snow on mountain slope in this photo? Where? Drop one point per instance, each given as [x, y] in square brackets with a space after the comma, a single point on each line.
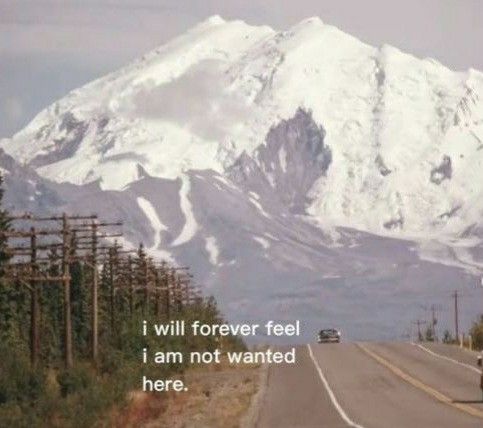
[272, 163]
[405, 134]
[261, 264]
[118, 120]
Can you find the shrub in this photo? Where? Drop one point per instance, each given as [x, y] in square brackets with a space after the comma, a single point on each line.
[476, 332]
[75, 380]
[18, 381]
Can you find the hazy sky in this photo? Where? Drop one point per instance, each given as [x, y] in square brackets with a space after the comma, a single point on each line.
[48, 47]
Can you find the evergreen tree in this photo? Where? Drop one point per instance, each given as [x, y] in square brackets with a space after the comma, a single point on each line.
[52, 314]
[80, 307]
[7, 292]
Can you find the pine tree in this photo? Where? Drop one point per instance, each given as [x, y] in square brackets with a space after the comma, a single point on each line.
[51, 304]
[80, 308]
[7, 292]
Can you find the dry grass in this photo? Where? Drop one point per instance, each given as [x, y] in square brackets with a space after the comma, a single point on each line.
[218, 397]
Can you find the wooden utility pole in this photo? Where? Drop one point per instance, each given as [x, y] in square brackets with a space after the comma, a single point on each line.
[456, 320]
[34, 303]
[130, 284]
[28, 274]
[168, 294]
[74, 246]
[143, 268]
[35, 262]
[68, 353]
[157, 285]
[112, 298]
[434, 320]
[419, 323]
[94, 297]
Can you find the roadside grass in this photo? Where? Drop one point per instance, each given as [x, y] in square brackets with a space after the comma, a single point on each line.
[94, 396]
[219, 395]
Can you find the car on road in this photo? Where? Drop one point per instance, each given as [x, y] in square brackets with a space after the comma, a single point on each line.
[328, 335]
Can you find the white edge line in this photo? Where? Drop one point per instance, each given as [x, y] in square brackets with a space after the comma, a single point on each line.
[443, 357]
[332, 397]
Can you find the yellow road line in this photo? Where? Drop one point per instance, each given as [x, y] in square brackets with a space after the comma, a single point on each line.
[422, 386]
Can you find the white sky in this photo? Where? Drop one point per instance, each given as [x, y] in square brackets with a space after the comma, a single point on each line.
[48, 47]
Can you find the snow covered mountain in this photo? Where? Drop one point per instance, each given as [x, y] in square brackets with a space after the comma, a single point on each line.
[288, 168]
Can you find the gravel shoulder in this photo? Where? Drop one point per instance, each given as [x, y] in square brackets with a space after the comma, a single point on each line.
[219, 396]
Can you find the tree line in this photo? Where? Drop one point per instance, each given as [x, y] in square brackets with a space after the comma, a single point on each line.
[72, 301]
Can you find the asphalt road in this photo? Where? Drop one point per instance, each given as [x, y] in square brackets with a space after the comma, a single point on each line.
[374, 385]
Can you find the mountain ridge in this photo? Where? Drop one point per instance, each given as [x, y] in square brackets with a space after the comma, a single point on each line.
[287, 168]
[203, 102]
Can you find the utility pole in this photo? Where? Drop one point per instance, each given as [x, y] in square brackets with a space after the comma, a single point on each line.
[456, 325]
[43, 256]
[130, 284]
[112, 302]
[433, 309]
[68, 355]
[433, 321]
[157, 285]
[41, 268]
[34, 303]
[167, 297]
[143, 277]
[419, 323]
[94, 297]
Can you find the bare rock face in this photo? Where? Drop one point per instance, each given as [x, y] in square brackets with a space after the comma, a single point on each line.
[443, 172]
[186, 145]
[381, 166]
[266, 106]
[73, 131]
[293, 157]
[26, 190]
